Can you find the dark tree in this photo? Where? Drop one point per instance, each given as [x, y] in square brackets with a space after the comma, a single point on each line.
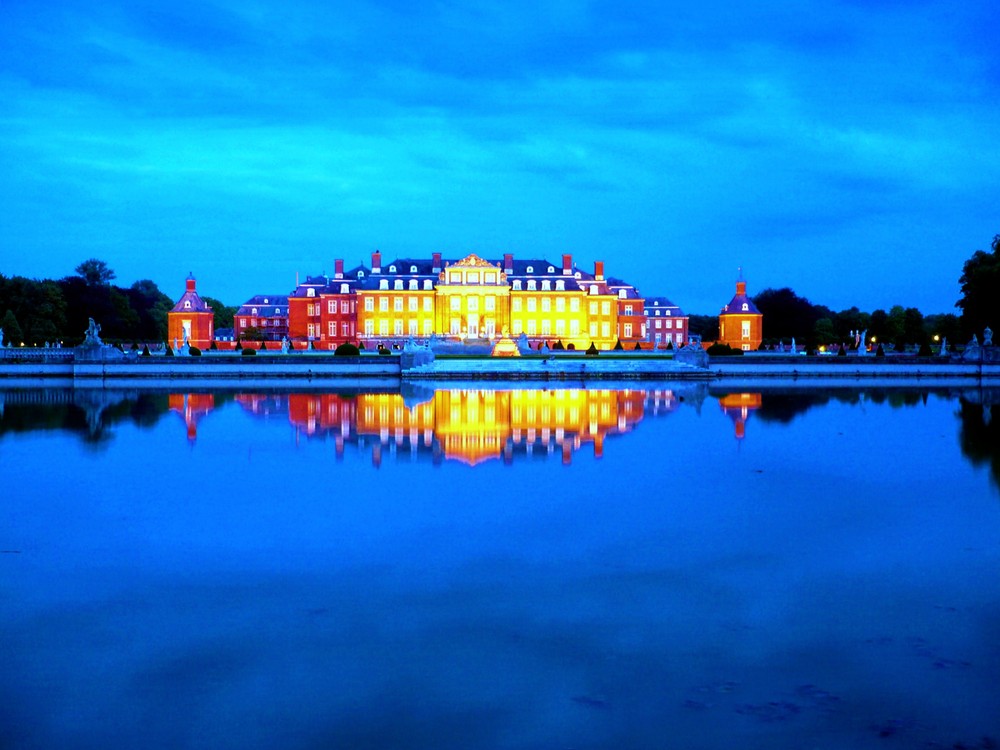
[786, 314]
[980, 282]
[95, 272]
[12, 333]
[224, 314]
[706, 326]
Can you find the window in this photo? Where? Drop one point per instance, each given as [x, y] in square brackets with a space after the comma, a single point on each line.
[369, 327]
[574, 305]
[331, 329]
[456, 326]
[746, 328]
[490, 303]
[546, 327]
[517, 284]
[551, 269]
[489, 278]
[628, 330]
[345, 306]
[515, 304]
[428, 328]
[312, 331]
[361, 274]
[413, 269]
[593, 330]
[412, 327]
[428, 304]
[397, 327]
[546, 304]
[383, 284]
[560, 304]
[531, 285]
[383, 328]
[310, 292]
[530, 269]
[369, 304]
[560, 328]
[628, 309]
[605, 308]
[560, 286]
[331, 307]
[345, 330]
[413, 304]
[310, 311]
[657, 324]
[253, 311]
[397, 304]
[605, 330]
[473, 303]
[546, 286]
[243, 322]
[414, 285]
[532, 304]
[455, 278]
[427, 284]
[398, 284]
[593, 308]
[473, 277]
[746, 307]
[532, 327]
[392, 269]
[593, 288]
[621, 294]
[383, 304]
[518, 328]
[456, 302]
[666, 324]
[574, 328]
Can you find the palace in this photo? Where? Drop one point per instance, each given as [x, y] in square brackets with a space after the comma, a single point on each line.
[467, 298]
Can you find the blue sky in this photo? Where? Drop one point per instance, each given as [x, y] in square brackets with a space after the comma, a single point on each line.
[848, 150]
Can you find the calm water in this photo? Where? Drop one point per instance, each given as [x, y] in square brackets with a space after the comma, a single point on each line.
[683, 567]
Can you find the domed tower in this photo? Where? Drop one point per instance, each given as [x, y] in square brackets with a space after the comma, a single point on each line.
[741, 324]
[191, 319]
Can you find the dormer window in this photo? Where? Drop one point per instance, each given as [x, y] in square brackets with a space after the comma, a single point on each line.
[593, 288]
[746, 307]
[413, 269]
[621, 294]
[530, 269]
[265, 300]
[427, 283]
[546, 286]
[577, 275]
[277, 311]
[398, 285]
[344, 288]
[413, 284]
[361, 274]
[517, 284]
[310, 292]
[383, 284]
[531, 285]
[551, 269]
[187, 304]
[392, 269]
[253, 310]
[560, 286]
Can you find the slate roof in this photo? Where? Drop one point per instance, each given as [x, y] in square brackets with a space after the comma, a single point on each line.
[736, 305]
[656, 304]
[197, 304]
[268, 305]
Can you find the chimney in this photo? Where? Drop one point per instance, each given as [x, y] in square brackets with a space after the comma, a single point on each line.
[741, 287]
[376, 262]
[338, 269]
[436, 266]
[567, 265]
[508, 263]
[189, 284]
[599, 270]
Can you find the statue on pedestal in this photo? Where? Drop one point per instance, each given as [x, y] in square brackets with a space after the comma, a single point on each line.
[93, 335]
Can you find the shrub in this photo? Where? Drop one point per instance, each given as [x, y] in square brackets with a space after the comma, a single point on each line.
[382, 349]
[618, 346]
[347, 350]
[145, 351]
[637, 348]
[194, 351]
[248, 352]
[169, 352]
[842, 351]
[723, 350]
[212, 347]
[592, 350]
[558, 346]
[880, 352]
[670, 345]
[239, 345]
[925, 350]
[135, 347]
[571, 347]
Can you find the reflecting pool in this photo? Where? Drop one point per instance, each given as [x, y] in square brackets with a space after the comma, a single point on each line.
[686, 566]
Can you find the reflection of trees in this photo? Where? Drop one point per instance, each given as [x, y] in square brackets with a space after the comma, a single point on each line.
[979, 437]
[784, 407]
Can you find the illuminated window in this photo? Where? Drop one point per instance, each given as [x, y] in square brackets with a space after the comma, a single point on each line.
[414, 284]
[413, 269]
[427, 283]
[605, 330]
[456, 302]
[517, 284]
[666, 324]
[428, 304]
[361, 274]
[574, 328]
[383, 304]
[593, 330]
[345, 306]
[398, 284]
[397, 327]
[518, 327]
[746, 328]
[331, 329]
[621, 294]
[593, 308]
[473, 303]
[392, 269]
[530, 269]
[560, 328]
[383, 328]
[605, 308]
[532, 327]
[490, 278]
[397, 304]
[546, 304]
[413, 304]
[187, 305]
[515, 304]
[593, 288]
[551, 269]
[473, 277]
[490, 303]
[746, 307]
[345, 329]
[628, 330]
[532, 304]
[369, 327]
[456, 326]
[546, 327]
[560, 304]
[383, 284]
[331, 307]
[428, 328]
[546, 285]
[574, 305]
[455, 278]
[369, 304]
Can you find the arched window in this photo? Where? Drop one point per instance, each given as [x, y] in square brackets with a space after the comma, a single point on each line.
[397, 285]
[546, 286]
[413, 283]
[310, 292]
[413, 269]
[530, 269]
[560, 285]
[745, 307]
[551, 269]
[253, 311]
[517, 284]
[344, 288]
[531, 285]
[383, 284]
[392, 269]
[361, 274]
[427, 283]
[187, 305]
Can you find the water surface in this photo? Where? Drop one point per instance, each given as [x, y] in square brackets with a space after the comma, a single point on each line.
[682, 567]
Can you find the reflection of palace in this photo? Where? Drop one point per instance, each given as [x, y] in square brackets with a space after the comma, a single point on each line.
[737, 406]
[191, 407]
[469, 425]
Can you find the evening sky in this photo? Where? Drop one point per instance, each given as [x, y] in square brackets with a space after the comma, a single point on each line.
[845, 149]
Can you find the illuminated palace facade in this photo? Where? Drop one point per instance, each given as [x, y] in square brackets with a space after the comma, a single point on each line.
[470, 297]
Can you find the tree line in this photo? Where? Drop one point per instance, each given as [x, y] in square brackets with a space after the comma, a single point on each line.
[787, 315]
[37, 312]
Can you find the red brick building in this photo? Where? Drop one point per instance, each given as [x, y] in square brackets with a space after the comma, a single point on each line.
[191, 319]
[741, 324]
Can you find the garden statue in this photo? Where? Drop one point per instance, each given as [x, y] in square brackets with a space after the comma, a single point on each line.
[988, 337]
[93, 335]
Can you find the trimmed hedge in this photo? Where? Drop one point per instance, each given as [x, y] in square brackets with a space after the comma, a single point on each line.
[346, 350]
